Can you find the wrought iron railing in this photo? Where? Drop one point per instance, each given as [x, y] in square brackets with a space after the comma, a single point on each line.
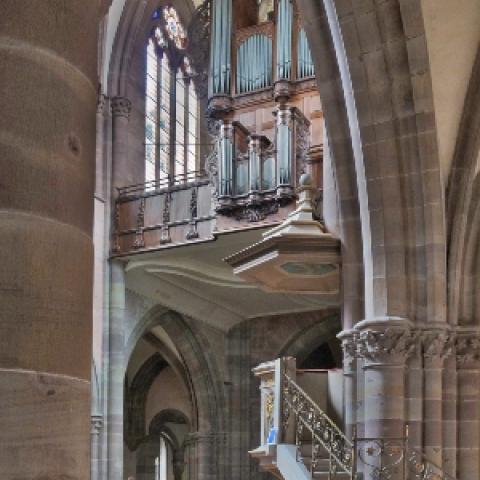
[420, 468]
[384, 458]
[324, 432]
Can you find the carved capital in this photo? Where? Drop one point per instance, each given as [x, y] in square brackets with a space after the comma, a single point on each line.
[101, 102]
[96, 424]
[121, 107]
[467, 347]
[386, 342]
[349, 348]
[437, 345]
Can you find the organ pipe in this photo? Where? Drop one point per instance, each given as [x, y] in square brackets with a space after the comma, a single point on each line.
[254, 63]
[220, 47]
[284, 39]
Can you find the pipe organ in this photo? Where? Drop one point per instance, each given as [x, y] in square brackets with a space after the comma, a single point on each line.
[264, 105]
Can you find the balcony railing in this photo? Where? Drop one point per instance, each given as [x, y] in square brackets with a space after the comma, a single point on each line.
[163, 212]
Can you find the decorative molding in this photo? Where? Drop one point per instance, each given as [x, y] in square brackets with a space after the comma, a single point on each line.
[391, 345]
[139, 236]
[101, 102]
[121, 107]
[96, 424]
[193, 232]
[437, 345]
[467, 349]
[165, 230]
[349, 348]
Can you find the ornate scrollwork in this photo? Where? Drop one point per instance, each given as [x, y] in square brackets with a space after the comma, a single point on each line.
[422, 469]
[302, 142]
[325, 434]
[139, 237]
[383, 456]
[165, 230]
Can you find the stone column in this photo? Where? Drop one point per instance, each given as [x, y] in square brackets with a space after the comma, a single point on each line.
[385, 345]
[48, 64]
[100, 159]
[349, 347]
[202, 455]
[436, 347]
[468, 375]
[116, 371]
[121, 108]
[449, 416]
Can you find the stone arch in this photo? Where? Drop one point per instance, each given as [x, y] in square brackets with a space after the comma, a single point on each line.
[135, 16]
[200, 365]
[374, 81]
[135, 399]
[169, 415]
[308, 339]
[462, 203]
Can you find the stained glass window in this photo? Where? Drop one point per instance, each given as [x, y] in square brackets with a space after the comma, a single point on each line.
[174, 28]
[171, 105]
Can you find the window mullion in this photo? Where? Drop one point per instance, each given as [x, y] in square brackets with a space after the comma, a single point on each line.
[186, 115]
[173, 121]
[159, 108]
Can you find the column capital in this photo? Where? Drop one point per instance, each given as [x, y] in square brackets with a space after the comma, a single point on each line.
[437, 345]
[101, 102]
[96, 424]
[349, 348]
[386, 341]
[467, 349]
[121, 107]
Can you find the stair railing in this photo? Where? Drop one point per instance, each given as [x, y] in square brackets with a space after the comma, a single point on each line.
[420, 468]
[324, 432]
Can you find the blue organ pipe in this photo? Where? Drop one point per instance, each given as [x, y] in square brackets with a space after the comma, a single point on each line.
[254, 63]
[282, 36]
[221, 45]
[305, 62]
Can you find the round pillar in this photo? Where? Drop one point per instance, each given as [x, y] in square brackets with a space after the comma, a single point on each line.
[468, 376]
[48, 80]
[122, 175]
[384, 345]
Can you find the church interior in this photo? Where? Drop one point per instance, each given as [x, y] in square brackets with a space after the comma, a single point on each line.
[241, 239]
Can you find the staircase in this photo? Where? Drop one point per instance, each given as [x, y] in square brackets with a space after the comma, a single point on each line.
[299, 440]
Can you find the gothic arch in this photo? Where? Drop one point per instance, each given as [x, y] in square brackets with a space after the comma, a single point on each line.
[199, 365]
[307, 340]
[132, 32]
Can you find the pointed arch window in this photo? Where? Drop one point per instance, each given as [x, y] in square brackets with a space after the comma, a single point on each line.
[171, 104]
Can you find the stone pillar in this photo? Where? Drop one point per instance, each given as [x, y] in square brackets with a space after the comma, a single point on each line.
[116, 371]
[449, 416]
[349, 347]
[436, 347]
[48, 62]
[121, 108]
[468, 375]
[201, 455]
[100, 159]
[385, 345]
